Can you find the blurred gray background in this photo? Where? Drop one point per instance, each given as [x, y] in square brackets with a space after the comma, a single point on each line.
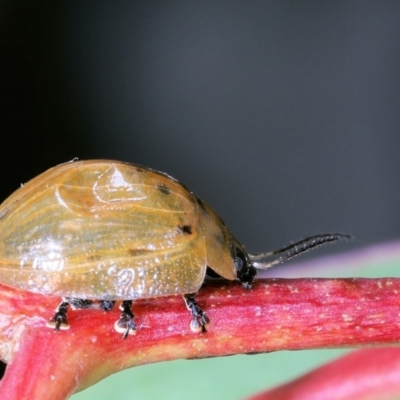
[283, 116]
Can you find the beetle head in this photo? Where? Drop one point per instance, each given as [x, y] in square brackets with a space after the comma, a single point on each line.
[244, 268]
[247, 264]
[261, 261]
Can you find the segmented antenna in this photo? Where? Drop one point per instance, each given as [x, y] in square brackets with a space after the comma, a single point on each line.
[293, 250]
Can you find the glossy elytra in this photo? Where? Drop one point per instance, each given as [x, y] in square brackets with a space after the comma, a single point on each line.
[94, 232]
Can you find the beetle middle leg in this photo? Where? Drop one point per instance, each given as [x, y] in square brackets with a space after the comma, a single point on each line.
[59, 320]
[200, 320]
[126, 323]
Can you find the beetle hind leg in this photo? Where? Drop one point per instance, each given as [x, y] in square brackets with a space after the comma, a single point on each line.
[59, 320]
[200, 320]
[126, 323]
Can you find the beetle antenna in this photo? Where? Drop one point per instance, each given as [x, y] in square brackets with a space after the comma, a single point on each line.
[293, 250]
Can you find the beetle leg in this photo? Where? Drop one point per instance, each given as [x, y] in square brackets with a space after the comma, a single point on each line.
[107, 305]
[126, 323]
[78, 304]
[59, 320]
[200, 320]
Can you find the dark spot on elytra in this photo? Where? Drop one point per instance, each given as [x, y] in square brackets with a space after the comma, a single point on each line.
[164, 189]
[220, 239]
[93, 257]
[185, 229]
[201, 204]
[137, 252]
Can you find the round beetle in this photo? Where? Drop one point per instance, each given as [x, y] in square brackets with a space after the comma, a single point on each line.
[93, 232]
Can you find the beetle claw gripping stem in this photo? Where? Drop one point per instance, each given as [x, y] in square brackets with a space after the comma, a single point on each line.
[126, 323]
[59, 320]
[200, 320]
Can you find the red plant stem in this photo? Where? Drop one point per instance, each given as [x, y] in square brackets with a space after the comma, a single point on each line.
[366, 374]
[278, 314]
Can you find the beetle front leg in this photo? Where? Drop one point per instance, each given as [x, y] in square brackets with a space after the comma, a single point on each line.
[126, 323]
[59, 320]
[200, 320]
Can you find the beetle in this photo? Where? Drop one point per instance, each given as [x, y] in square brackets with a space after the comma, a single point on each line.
[97, 231]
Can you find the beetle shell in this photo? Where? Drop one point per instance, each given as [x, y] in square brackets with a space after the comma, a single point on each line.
[110, 230]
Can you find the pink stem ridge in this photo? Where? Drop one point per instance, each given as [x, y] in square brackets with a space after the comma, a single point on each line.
[278, 314]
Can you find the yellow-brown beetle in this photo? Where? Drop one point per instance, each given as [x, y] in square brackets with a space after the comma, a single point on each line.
[108, 230]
